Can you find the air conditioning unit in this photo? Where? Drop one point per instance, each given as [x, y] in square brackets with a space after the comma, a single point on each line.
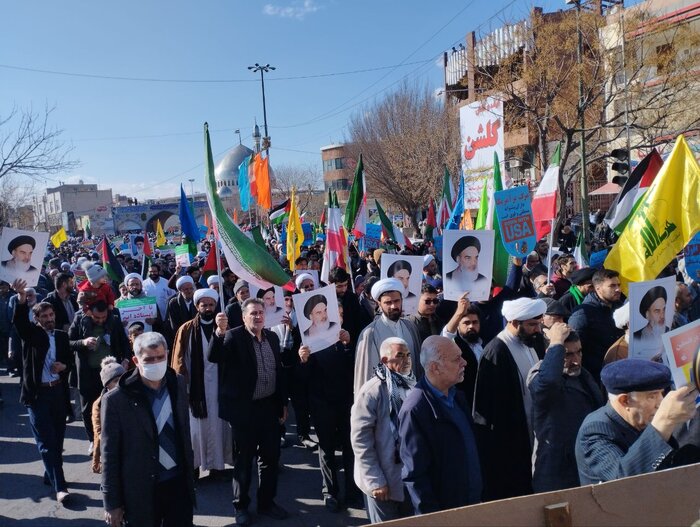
[514, 163]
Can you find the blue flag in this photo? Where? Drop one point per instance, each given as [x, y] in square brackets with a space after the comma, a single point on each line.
[244, 184]
[458, 211]
[188, 223]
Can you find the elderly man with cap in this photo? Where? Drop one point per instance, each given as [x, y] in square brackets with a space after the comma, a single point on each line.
[581, 285]
[647, 340]
[466, 277]
[503, 404]
[563, 394]
[180, 307]
[211, 435]
[632, 434]
[20, 264]
[387, 294]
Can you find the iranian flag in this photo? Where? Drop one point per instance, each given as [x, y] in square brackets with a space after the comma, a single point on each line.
[544, 202]
[356, 210]
[445, 208]
[335, 252]
[631, 194]
[390, 231]
[246, 259]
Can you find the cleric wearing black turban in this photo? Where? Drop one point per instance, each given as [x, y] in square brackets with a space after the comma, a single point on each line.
[316, 310]
[466, 277]
[20, 264]
[647, 340]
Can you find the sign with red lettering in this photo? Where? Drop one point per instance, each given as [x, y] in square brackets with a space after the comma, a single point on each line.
[514, 213]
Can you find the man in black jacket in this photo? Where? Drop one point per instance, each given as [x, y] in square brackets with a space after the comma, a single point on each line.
[46, 358]
[63, 300]
[94, 337]
[147, 461]
[253, 400]
[593, 319]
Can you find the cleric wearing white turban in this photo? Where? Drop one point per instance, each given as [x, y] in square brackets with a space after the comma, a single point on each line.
[183, 280]
[386, 285]
[132, 276]
[524, 309]
[300, 282]
[205, 293]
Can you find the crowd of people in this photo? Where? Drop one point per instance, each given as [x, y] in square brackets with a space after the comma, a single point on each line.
[454, 404]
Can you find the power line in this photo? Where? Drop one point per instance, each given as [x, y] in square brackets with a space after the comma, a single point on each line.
[203, 81]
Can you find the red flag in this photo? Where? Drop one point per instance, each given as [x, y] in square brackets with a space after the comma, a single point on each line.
[430, 220]
[209, 267]
[147, 251]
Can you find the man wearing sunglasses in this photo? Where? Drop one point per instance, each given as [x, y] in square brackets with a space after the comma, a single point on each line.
[426, 321]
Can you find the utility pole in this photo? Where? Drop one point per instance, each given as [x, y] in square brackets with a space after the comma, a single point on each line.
[263, 69]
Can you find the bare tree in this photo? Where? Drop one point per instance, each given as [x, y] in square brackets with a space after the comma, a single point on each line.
[30, 146]
[540, 85]
[305, 178]
[406, 139]
[14, 195]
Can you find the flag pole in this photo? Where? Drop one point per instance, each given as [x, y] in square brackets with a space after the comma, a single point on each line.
[549, 254]
[218, 264]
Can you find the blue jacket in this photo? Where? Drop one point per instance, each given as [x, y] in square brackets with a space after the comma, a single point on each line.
[594, 323]
[433, 452]
[607, 448]
[560, 404]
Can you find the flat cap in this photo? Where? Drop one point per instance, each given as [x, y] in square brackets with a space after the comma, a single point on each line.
[556, 308]
[583, 275]
[21, 240]
[635, 375]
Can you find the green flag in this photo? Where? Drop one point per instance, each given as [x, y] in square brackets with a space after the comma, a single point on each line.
[356, 209]
[501, 258]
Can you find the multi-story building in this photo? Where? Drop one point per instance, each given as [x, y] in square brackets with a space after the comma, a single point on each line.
[63, 206]
[337, 171]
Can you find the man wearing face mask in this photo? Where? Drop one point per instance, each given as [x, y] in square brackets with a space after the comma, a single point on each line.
[563, 394]
[502, 402]
[147, 464]
[211, 435]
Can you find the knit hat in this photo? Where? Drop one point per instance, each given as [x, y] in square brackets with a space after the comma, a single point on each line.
[239, 284]
[111, 369]
[93, 271]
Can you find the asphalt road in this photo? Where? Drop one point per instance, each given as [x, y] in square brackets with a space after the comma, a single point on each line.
[25, 501]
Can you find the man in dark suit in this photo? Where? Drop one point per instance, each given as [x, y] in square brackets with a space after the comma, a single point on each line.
[147, 460]
[631, 435]
[46, 359]
[253, 400]
[181, 308]
[563, 394]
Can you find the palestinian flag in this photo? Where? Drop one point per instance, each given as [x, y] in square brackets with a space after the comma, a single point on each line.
[147, 256]
[580, 251]
[246, 259]
[280, 213]
[631, 194]
[356, 210]
[110, 262]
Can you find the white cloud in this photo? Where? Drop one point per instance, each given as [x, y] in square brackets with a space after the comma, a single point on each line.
[297, 10]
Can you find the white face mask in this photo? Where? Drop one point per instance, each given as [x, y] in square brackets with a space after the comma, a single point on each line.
[154, 372]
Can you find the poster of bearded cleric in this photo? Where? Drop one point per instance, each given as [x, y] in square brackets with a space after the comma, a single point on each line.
[273, 299]
[467, 262]
[651, 315]
[409, 271]
[21, 255]
[318, 317]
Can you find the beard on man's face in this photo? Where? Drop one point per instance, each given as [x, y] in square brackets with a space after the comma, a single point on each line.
[471, 336]
[207, 315]
[528, 340]
[393, 314]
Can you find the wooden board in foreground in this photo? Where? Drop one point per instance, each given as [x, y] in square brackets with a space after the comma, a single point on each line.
[666, 498]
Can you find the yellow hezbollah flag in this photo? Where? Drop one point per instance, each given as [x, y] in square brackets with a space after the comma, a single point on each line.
[295, 235]
[58, 238]
[663, 223]
[160, 235]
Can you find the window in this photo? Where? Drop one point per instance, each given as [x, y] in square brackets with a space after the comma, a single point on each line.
[338, 184]
[333, 164]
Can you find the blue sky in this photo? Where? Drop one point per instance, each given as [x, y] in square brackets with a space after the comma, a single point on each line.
[144, 138]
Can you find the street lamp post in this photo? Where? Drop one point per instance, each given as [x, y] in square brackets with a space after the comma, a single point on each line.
[585, 220]
[192, 191]
[263, 69]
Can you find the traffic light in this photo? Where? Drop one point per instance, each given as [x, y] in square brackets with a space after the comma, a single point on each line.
[621, 166]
